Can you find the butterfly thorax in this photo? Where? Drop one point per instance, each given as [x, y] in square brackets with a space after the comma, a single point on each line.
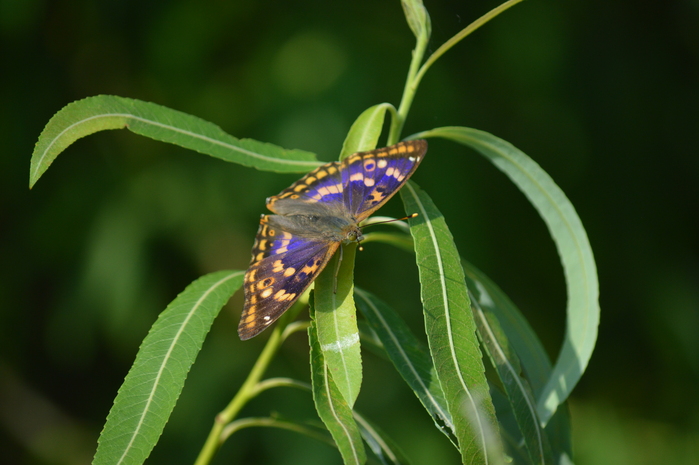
[319, 228]
[315, 220]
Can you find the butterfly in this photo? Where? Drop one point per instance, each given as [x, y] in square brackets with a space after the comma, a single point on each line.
[314, 216]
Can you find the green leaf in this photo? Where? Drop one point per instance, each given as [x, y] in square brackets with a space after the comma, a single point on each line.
[417, 17]
[573, 247]
[102, 112]
[336, 323]
[381, 445]
[365, 131]
[409, 356]
[528, 348]
[516, 387]
[399, 240]
[331, 405]
[451, 331]
[154, 382]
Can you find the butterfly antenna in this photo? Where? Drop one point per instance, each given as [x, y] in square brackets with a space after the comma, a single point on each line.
[414, 215]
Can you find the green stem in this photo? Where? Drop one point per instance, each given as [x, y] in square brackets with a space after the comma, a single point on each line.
[247, 391]
[275, 423]
[461, 35]
[416, 72]
[409, 91]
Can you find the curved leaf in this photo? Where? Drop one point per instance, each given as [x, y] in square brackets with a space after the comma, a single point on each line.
[517, 388]
[408, 356]
[331, 405]
[102, 112]
[451, 331]
[529, 350]
[573, 247]
[365, 131]
[381, 445]
[336, 323]
[154, 382]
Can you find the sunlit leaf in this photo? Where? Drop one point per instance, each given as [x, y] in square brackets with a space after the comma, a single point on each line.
[417, 17]
[331, 405]
[102, 112]
[336, 323]
[152, 386]
[365, 131]
[451, 331]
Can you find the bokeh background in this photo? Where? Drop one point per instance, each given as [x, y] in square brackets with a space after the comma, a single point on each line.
[604, 95]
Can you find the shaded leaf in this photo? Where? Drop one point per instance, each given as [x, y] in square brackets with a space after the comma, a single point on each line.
[517, 388]
[409, 356]
[154, 382]
[381, 445]
[573, 248]
[530, 352]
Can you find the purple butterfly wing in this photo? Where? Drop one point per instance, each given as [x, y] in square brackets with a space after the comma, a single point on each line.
[371, 178]
[322, 185]
[282, 267]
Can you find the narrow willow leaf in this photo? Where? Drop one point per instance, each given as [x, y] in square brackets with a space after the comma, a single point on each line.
[409, 356]
[399, 240]
[573, 247]
[381, 445]
[529, 350]
[331, 405]
[102, 112]
[312, 431]
[417, 17]
[451, 331]
[516, 387]
[365, 131]
[336, 322]
[152, 386]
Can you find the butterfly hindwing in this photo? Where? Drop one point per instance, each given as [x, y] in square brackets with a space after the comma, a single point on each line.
[282, 267]
[371, 178]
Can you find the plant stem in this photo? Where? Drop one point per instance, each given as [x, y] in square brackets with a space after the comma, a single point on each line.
[318, 434]
[411, 84]
[416, 72]
[461, 35]
[247, 391]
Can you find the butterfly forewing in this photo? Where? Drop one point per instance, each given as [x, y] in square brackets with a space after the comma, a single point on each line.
[282, 267]
[324, 184]
[371, 178]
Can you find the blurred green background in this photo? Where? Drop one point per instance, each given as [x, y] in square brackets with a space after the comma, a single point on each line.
[603, 94]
